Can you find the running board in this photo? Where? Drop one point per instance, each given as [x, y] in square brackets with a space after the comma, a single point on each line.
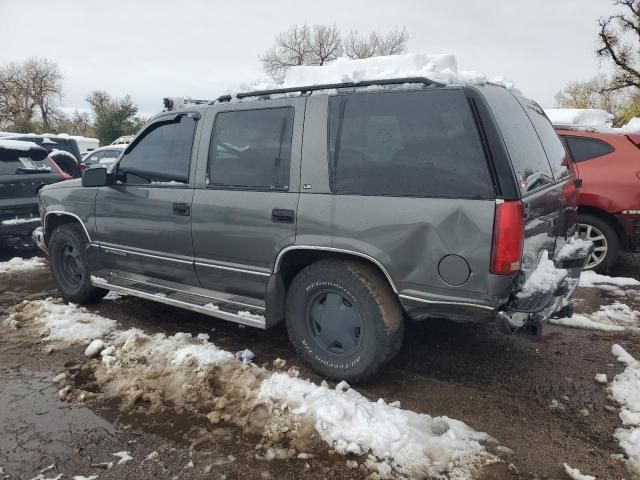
[252, 316]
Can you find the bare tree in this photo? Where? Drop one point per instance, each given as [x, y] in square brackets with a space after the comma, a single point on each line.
[619, 39]
[363, 46]
[30, 93]
[301, 45]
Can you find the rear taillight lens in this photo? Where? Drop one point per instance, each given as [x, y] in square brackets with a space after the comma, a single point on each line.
[508, 237]
[64, 174]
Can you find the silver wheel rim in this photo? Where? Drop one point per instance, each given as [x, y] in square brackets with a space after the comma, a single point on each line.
[589, 232]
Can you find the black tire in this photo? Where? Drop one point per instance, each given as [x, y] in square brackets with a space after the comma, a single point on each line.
[68, 247]
[350, 287]
[610, 236]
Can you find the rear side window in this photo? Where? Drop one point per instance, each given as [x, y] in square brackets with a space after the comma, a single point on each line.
[251, 149]
[551, 143]
[587, 148]
[528, 158]
[422, 143]
[25, 166]
[162, 155]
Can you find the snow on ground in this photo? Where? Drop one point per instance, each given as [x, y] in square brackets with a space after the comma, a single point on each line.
[589, 278]
[575, 474]
[17, 264]
[614, 318]
[289, 413]
[632, 126]
[579, 117]
[440, 68]
[61, 322]
[625, 390]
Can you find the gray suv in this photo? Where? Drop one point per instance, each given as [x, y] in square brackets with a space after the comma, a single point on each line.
[339, 209]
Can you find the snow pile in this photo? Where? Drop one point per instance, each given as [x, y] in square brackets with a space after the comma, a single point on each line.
[579, 117]
[575, 474]
[294, 417]
[574, 248]
[589, 278]
[632, 126]
[414, 444]
[625, 390]
[545, 277]
[61, 322]
[440, 68]
[18, 264]
[616, 317]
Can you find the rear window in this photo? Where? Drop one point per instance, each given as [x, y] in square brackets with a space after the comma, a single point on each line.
[551, 143]
[419, 143]
[587, 148]
[25, 166]
[528, 158]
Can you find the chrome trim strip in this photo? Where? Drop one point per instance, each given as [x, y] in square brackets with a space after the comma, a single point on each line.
[60, 212]
[187, 306]
[233, 269]
[217, 299]
[115, 249]
[462, 304]
[276, 266]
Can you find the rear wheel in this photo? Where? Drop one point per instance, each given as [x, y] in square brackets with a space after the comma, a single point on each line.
[70, 267]
[343, 319]
[605, 241]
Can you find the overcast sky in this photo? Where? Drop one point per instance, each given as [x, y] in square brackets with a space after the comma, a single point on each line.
[199, 48]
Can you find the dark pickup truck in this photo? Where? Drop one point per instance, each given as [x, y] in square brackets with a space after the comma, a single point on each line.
[339, 209]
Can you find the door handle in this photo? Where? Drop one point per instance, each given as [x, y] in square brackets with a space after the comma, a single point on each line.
[182, 208]
[279, 215]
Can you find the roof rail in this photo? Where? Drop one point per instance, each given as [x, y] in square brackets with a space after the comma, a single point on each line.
[329, 86]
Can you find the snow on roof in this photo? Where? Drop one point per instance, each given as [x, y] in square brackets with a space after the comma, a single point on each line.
[580, 117]
[18, 145]
[440, 68]
[632, 126]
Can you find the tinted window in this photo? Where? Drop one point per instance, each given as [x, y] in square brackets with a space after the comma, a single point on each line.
[551, 143]
[251, 149]
[525, 150]
[422, 143]
[163, 154]
[587, 148]
[25, 166]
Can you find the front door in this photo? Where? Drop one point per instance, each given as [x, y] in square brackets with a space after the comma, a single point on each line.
[143, 221]
[244, 211]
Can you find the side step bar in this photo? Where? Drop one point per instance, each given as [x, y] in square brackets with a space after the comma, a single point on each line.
[252, 317]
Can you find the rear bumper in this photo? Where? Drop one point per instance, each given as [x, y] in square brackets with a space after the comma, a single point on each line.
[38, 238]
[18, 227]
[527, 311]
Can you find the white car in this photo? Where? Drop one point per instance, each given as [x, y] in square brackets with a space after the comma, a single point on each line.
[103, 156]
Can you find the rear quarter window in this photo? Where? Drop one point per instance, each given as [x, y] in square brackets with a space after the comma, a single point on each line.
[528, 158]
[583, 149]
[417, 143]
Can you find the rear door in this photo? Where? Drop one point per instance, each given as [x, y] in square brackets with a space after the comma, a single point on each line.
[540, 166]
[20, 180]
[244, 209]
[144, 221]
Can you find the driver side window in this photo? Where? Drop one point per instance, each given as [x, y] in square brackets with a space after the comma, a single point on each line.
[162, 155]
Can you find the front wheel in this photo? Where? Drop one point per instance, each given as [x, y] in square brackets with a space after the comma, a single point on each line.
[70, 267]
[343, 319]
[605, 241]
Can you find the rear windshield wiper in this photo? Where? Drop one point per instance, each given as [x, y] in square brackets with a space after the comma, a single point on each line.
[33, 170]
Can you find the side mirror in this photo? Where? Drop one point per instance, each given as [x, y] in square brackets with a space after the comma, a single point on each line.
[95, 177]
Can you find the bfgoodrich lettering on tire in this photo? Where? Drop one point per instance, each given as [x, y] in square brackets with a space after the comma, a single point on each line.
[343, 319]
[69, 265]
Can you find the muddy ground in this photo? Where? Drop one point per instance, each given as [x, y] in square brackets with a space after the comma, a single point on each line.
[503, 385]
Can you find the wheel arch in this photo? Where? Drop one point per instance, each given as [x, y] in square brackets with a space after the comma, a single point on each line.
[607, 217]
[54, 219]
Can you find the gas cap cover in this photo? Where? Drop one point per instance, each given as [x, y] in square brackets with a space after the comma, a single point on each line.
[454, 270]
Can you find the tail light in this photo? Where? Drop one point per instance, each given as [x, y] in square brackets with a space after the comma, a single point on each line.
[508, 237]
[65, 175]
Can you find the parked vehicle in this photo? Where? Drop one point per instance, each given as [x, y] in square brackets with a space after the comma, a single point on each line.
[124, 140]
[608, 162]
[338, 213]
[24, 169]
[68, 163]
[103, 156]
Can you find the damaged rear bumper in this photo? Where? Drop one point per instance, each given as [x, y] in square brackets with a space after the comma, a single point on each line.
[528, 309]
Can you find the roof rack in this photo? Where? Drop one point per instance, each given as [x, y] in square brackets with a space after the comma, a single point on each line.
[329, 86]
[172, 103]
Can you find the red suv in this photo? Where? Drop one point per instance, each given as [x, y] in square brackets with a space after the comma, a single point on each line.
[608, 162]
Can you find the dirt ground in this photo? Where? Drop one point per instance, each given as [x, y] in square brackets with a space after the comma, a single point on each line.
[502, 385]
